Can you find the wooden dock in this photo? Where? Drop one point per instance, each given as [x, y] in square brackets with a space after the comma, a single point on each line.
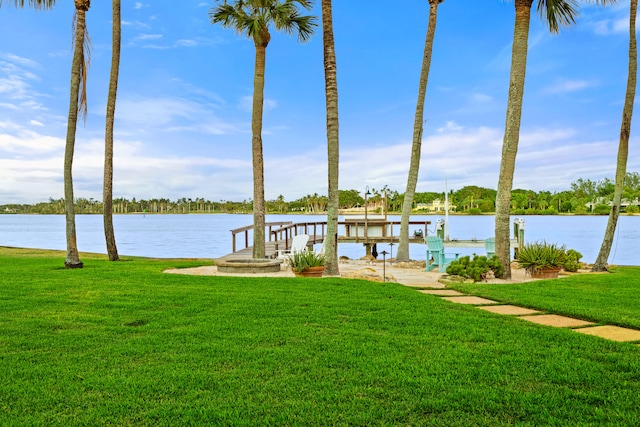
[278, 235]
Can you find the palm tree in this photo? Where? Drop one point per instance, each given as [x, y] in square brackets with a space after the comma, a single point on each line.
[623, 147]
[416, 146]
[77, 105]
[555, 13]
[109, 233]
[253, 18]
[333, 146]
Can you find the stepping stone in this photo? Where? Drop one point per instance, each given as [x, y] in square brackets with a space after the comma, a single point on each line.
[441, 292]
[470, 300]
[613, 333]
[556, 320]
[512, 310]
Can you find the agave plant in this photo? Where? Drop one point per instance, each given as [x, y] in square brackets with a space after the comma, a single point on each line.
[302, 260]
[541, 255]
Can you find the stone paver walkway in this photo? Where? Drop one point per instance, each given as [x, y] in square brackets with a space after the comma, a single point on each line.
[441, 292]
[471, 300]
[614, 333]
[556, 320]
[512, 310]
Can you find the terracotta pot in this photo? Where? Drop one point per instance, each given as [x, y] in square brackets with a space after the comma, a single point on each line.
[310, 272]
[546, 273]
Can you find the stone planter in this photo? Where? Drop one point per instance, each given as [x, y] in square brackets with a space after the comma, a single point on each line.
[546, 273]
[310, 272]
[251, 266]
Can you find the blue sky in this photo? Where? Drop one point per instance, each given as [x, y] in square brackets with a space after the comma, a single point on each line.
[183, 116]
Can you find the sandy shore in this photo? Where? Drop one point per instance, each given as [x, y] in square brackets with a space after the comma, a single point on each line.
[408, 274]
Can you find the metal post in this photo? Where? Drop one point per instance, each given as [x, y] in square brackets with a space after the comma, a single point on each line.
[366, 214]
[384, 266]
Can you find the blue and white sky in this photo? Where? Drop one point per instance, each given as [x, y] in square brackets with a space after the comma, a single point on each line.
[183, 119]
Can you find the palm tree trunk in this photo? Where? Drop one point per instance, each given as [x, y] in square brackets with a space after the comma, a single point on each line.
[109, 233]
[333, 146]
[256, 151]
[623, 148]
[73, 259]
[416, 146]
[512, 133]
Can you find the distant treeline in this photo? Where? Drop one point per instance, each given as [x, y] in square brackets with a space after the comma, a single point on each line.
[585, 196]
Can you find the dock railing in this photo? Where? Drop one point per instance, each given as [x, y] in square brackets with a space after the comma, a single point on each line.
[350, 231]
[268, 232]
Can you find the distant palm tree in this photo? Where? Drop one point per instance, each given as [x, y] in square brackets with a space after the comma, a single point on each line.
[109, 234]
[253, 18]
[555, 13]
[623, 148]
[333, 146]
[77, 105]
[416, 146]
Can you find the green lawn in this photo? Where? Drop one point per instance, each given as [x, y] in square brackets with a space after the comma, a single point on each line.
[124, 344]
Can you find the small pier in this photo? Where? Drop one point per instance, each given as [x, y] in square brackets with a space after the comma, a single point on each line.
[278, 235]
[368, 231]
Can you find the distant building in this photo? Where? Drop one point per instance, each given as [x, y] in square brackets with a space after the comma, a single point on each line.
[601, 201]
[435, 206]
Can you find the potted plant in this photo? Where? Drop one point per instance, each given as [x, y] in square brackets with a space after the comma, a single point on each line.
[307, 263]
[541, 259]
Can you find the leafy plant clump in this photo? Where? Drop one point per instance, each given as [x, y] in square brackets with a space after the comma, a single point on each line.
[302, 260]
[476, 268]
[541, 255]
[572, 262]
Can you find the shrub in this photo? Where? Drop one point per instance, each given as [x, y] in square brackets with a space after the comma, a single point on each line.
[475, 211]
[632, 209]
[572, 262]
[477, 268]
[602, 210]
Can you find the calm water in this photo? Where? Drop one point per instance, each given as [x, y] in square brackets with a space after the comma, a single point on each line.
[203, 236]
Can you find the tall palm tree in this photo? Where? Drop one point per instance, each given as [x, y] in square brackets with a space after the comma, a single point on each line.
[333, 145]
[416, 146]
[623, 147]
[107, 198]
[77, 106]
[555, 13]
[253, 19]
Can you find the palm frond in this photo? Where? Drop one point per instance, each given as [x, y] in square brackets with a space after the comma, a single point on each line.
[557, 13]
[287, 18]
[35, 4]
[84, 69]
[253, 17]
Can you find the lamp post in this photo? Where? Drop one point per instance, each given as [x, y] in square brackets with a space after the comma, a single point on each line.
[384, 266]
[366, 214]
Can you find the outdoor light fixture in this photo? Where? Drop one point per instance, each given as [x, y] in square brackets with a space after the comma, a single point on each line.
[384, 266]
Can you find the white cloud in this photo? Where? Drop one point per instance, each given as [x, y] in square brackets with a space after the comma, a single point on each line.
[36, 123]
[566, 86]
[16, 84]
[481, 98]
[25, 62]
[144, 37]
